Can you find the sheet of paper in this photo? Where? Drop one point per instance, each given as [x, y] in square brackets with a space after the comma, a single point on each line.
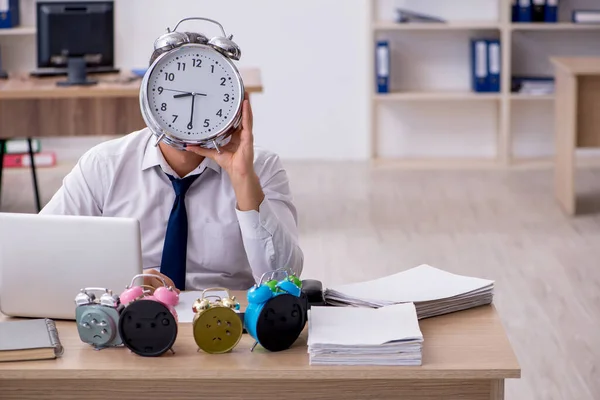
[186, 301]
[354, 326]
[423, 283]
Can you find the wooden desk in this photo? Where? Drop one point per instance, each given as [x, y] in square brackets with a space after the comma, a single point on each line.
[466, 355]
[36, 107]
[577, 116]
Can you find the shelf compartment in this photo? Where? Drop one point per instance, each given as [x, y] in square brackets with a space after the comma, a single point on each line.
[436, 26]
[531, 97]
[435, 96]
[18, 31]
[562, 26]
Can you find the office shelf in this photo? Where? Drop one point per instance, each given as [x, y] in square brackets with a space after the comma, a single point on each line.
[435, 26]
[531, 97]
[19, 31]
[504, 29]
[553, 27]
[435, 96]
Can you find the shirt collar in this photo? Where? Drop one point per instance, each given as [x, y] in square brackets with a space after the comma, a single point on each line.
[153, 157]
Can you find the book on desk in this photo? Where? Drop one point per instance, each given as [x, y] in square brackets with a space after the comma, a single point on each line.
[24, 340]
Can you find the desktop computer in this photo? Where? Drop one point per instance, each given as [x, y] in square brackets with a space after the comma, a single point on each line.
[75, 39]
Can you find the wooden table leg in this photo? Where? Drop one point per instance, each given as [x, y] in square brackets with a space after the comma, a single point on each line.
[2, 145]
[36, 190]
[565, 139]
[497, 392]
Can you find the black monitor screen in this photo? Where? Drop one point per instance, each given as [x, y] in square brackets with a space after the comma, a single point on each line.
[75, 29]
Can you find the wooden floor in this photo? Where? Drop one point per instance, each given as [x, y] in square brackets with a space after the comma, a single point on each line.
[358, 223]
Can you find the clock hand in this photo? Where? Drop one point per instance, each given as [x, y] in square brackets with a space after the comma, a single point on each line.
[190, 126]
[178, 91]
[177, 96]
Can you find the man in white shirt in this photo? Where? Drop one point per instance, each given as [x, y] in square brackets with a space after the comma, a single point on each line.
[207, 219]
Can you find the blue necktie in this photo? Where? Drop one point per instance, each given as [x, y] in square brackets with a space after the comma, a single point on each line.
[174, 256]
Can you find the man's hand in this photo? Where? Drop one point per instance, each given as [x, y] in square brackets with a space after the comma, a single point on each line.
[237, 159]
[156, 282]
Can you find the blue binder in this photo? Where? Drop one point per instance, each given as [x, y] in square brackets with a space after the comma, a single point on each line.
[515, 11]
[494, 65]
[538, 10]
[479, 65]
[382, 66]
[525, 13]
[9, 15]
[551, 11]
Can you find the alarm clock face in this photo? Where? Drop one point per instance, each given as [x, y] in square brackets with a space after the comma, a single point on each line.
[147, 328]
[217, 330]
[280, 322]
[194, 93]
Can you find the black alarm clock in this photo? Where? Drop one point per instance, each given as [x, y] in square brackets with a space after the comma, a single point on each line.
[277, 310]
[148, 323]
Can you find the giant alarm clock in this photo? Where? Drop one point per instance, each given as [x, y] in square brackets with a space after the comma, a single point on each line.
[277, 310]
[192, 93]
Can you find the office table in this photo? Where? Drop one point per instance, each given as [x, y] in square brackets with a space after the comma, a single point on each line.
[36, 107]
[577, 121]
[466, 355]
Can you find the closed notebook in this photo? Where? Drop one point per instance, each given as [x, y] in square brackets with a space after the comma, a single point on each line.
[24, 340]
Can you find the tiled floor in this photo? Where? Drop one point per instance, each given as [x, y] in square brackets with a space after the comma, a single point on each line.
[359, 223]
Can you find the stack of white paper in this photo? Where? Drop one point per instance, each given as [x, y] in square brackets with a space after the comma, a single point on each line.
[364, 336]
[434, 292]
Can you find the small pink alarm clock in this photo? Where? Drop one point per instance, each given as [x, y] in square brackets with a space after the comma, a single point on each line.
[165, 294]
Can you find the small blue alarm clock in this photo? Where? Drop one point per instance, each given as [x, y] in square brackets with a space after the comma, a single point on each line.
[277, 310]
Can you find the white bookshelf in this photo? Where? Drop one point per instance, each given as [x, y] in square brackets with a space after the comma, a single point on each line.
[435, 96]
[563, 26]
[505, 102]
[18, 31]
[466, 25]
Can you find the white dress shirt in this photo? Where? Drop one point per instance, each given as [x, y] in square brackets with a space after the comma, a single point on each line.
[126, 177]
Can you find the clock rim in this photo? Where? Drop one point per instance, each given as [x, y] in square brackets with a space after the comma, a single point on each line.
[152, 122]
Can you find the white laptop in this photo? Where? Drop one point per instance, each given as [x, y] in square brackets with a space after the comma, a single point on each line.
[45, 260]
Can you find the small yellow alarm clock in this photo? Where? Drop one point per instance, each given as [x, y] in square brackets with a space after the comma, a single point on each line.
[217, 326]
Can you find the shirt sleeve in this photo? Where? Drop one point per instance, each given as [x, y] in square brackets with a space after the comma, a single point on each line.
[270, 235]
[81, 190]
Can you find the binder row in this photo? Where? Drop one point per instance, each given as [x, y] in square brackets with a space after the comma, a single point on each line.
[486, 65]
[535, 11]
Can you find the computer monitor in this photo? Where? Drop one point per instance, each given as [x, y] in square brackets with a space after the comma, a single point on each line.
[75, 37]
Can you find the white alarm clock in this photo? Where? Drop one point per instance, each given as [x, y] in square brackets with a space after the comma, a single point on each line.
[192, 93]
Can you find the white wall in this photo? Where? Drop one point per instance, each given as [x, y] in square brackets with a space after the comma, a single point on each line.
[314, 55]
[311, 54]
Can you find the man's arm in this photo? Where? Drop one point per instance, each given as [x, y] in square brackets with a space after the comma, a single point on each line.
[269, 225]
[81, 191]
[265, 211]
